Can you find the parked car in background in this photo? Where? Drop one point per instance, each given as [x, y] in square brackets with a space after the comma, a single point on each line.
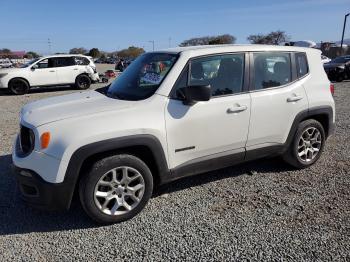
[5, 63]
[75, 70]
[155, 124]
[325, 59]
[338, 69]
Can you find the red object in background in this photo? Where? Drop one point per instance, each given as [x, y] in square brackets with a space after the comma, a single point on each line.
[110, 73]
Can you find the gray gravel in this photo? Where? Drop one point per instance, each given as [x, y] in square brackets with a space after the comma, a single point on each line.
[258, 211]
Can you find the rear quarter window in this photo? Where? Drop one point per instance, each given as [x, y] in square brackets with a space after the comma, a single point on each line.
[301, 64]
[81, 60]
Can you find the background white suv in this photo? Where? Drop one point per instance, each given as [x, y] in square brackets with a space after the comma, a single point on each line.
[77, 70]
[5, 63]
[172, 114]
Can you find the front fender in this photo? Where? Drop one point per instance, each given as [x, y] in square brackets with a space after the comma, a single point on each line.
[80, 155]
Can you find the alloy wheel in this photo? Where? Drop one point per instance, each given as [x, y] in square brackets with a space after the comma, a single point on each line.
[309, 144]
[119, 191]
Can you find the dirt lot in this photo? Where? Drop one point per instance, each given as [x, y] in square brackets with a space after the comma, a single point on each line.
[276, 213]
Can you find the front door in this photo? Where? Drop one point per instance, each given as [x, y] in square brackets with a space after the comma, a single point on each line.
[43, 73]
[218, 127]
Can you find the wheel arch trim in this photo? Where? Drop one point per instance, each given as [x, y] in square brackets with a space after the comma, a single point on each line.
[83, 153]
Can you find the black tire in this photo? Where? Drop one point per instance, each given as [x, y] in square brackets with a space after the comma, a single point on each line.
[18, 86]
[89, 181]
[292, 157]
[82, 82]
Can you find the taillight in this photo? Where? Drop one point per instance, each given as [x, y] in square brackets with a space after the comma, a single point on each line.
[331, 87]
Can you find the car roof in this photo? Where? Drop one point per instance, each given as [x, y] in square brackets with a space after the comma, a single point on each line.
[211, 49]
[65, 55]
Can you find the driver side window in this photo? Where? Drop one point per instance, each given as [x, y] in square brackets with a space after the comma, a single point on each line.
[224, 74]
[43, 64]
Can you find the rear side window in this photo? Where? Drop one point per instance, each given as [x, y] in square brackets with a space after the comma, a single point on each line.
[81, 60]
[302, 65]
[63, 61]
[271, 69]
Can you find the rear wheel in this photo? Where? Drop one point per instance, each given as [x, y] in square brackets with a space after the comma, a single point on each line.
[116, 189]
[18, 86]
[307, 145]
[82, 82]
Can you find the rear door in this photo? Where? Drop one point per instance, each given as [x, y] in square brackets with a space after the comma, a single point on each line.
[66, 70]
[277, 94]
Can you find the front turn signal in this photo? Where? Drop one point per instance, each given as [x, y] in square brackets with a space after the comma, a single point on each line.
[45, 140]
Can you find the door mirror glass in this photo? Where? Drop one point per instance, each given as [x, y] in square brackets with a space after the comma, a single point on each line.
[194, 93]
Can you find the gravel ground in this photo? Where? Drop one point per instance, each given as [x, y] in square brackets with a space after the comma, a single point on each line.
[275, 213]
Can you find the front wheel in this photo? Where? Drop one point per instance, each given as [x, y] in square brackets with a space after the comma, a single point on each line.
[116, 189]
[82, 82]
[18, 86]
[307, 145]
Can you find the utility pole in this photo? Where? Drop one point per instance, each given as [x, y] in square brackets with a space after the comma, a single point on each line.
[169, 42]
[152, 41]
[49, 43]
[342, 38]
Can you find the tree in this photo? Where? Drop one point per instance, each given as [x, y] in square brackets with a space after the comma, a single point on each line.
[131, 52]
[94, 52]
[273, 38]
[78, 50]
[31, 55]
[103, 56]
[210, 40]
[222, 40]
[5, 53]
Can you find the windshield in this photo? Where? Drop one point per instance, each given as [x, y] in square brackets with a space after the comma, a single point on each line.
[30, 63]
[339, 60]
[142, 77]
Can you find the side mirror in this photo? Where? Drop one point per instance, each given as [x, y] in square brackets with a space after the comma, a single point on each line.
[34, 67]
[193, 94]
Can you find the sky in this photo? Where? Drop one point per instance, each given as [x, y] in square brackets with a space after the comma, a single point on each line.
[112, 25]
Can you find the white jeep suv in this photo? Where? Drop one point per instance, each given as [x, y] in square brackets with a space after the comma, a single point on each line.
[77, 70]
[171, 114]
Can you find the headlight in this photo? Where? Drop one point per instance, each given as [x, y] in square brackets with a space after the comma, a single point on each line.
[341, 67]
[3, 74]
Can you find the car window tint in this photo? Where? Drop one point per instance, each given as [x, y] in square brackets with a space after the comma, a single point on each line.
[302, 66]
[63, 61]
[224, 73]
[271, 69]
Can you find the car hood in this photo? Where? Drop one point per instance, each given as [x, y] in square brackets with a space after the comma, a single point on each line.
[333, 65]
[69, 106]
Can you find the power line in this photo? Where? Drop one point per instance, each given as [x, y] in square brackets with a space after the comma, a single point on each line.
[152, 41]
[49, 43]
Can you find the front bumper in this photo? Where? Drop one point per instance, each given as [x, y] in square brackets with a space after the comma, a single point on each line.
[41, 194]
[2, 83]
